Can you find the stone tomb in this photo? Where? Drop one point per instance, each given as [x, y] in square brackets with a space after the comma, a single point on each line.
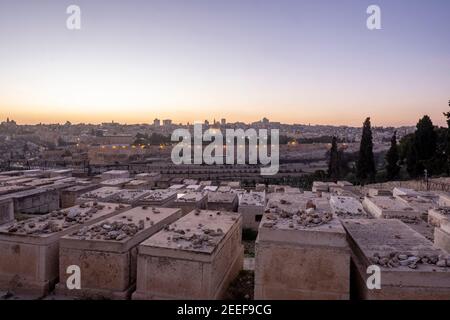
[372, 192]
[139, 185]
[69, 196]
[6, 211]
[118, 182]
[411, 268]
[190, 201]
[347, 207]
[442, 237]
[100, 194]
[114, 174]
[418, 203]
[36, 201]
[225, 201]
[29, 249]
[301, 253]
[129, 196]
[389, 207]
[437, 216]
[159, 198]
[444, 199]
[251, 207]
[194, 258]
[107, 251]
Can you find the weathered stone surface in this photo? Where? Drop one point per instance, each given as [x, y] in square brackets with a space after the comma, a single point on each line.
[225, 201]
[389, 207]
[437, 216]
[190, 201]
[251, 207]
[6, 211]
[70, 195]
[206, 245]
[29, 249]
[159, 198]
[347, 207]
[411, 268]
[100, 194]
[106, 251]
[293, 232]
[442, 237]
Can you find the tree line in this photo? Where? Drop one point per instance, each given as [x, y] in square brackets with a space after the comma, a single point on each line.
[424, 153]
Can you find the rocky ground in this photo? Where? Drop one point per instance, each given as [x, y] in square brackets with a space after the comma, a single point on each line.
[242, 287]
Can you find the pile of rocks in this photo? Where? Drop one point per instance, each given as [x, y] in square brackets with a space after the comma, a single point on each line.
[199, 239]
[412, 261]
[57, 220]
[304, 218]
[115, 231]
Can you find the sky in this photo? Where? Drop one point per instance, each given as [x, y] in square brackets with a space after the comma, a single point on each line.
[294, 61]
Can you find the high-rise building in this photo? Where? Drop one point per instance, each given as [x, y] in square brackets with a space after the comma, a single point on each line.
[167, 122]
[156, 122]
[223, 121]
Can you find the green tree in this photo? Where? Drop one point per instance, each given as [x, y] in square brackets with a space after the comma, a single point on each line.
[392, 167]
[365, 166]
[334, 165]
[423, 150]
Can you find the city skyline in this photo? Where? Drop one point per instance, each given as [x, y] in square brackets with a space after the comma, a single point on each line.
[290, 61]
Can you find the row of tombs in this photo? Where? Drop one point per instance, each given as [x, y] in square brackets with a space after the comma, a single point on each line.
[310, 245]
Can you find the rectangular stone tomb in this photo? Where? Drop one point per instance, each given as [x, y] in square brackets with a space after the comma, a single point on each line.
[301, 254]
[444, 199]
[251, 207]
[115, 174]
[410, 267]
[36, 201]
[139, 184]
[225, 201]
[347, 207]
[437, 216]
[129, 196]
[194, 258]
[442, 237]
[190, 201]
[118, 182]
[389, 207]
[69, 196]
[29, 249]
[100, 194]
[107, 251]
[159, 198]
[418, 203]
[6, 211]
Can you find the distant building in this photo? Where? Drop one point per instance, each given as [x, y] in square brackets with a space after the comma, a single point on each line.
[223, 121]
[156, 122]
[167, 122]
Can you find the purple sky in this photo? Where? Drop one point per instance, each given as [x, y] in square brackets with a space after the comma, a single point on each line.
[290, 60]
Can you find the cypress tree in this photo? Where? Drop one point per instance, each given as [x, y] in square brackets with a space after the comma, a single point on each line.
[423, 149]
[334, 161]
[392, 167]
[365, 167]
